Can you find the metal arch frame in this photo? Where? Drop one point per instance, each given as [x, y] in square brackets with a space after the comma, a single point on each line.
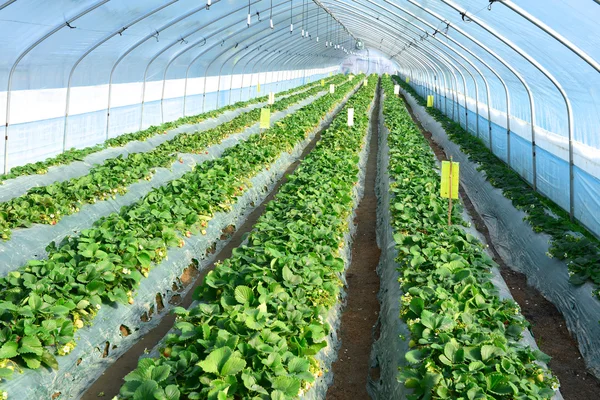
[235, 63]
[557, 85]
[554, 34]
[135, 46]
[173, 43]
[23, 54]
[236, 53]
[8, 3]
[432, 66]
[215, 58]
[490, 52]
[194, 60]
[473, 55]
[276, 56]
[94, 47]
[492, 70]
[439, 49]
[433, 56]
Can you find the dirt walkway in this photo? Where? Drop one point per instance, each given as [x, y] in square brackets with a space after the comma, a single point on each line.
[351, 369]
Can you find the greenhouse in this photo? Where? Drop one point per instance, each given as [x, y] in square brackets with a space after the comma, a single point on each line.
[299, 199]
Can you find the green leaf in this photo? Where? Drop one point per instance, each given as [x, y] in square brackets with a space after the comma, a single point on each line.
[290, 278]
[243, 294]
[144, 259]
[160, 373]
[146, 391]
[498, 384]
[489, 351]
[8, 350]
[297, 365]
[232, 366]
[95, 287]
[31, 345]
[223, 361]
[33, 361]
[415, 356]
[476, 366]
[35, 302]
[541, 356]
[287, 384]
[49, 360]
[172, 392]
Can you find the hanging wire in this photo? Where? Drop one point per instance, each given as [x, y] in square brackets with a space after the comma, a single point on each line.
[318, 13]
[291, 17]
[208, 4]
[271, 16]
[489, 7]
[302, 18]
[249, 16]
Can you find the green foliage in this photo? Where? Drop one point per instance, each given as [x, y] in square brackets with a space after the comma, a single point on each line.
[69, 156]
[43, 303]
[49, 204]
[259, 320]
[465, 338]
[569, 241]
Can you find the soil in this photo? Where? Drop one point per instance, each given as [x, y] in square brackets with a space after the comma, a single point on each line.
[108, 385]
[351, 369]
[547, 323]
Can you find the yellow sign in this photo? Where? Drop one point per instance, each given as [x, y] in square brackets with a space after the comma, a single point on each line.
[407, 79]
[450, 169]
[430, 101]
[322, 82]
[265, 118]
[258, 87]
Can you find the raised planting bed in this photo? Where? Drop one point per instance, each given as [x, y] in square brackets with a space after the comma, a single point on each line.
[94, 275]
[462, 338]
[261, 327]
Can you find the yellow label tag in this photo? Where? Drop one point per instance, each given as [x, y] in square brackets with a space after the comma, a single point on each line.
[265, 118]
[446, 190]
[430, 101]
[331, 74]
[322, 82]
[407, 79]
[258, 87]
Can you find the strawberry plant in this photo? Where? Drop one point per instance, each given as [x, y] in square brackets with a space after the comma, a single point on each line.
[44, 303]
[48, 204]
[259, 321]
[465, 340]
[69, 156]
[570, 241]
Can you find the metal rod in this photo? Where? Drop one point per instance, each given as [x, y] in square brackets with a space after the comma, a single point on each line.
[23, 54]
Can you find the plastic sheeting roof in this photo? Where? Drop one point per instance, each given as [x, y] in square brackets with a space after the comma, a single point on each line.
[540, 54]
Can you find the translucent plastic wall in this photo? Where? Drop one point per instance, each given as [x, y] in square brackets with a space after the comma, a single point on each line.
[76, 72]
[502, 61]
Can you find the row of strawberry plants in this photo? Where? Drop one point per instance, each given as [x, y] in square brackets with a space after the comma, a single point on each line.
[49, 204]
[260, 316]
[465, 340]
[43, 303]
[581, 251]
[69, 156]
